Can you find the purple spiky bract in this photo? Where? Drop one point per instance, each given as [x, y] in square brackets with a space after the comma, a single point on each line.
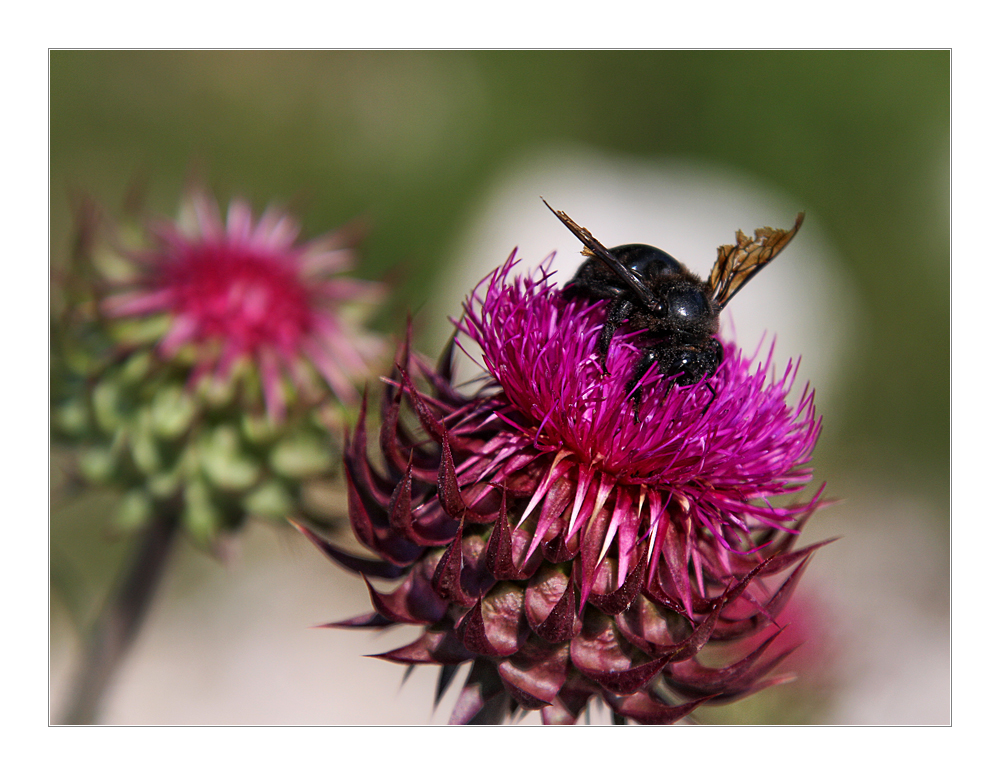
[568, 541]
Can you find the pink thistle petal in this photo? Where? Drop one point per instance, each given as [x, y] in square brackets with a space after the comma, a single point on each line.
[331, 371]
[332, 334]
[556, 500]
[278, 231]
[181, 332]
[555, 471]
[209, 221]
[138, 303]
[239, 221]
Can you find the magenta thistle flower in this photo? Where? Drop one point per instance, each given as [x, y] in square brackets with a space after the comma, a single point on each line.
[568, 541]
[244, 290]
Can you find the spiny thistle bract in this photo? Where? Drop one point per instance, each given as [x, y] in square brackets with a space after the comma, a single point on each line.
[570, 543]
[203, 362]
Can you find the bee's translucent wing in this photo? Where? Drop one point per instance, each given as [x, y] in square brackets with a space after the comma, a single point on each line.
[738, 263]
[594, 248]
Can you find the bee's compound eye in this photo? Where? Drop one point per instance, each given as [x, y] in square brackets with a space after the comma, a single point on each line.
[687, 304]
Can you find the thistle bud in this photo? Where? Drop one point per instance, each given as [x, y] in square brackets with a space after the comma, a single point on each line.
[201, 366]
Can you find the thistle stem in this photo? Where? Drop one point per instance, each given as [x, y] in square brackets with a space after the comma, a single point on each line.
[120, 620]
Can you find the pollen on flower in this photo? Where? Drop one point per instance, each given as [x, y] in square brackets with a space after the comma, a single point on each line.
[571, 542]
[241, 289]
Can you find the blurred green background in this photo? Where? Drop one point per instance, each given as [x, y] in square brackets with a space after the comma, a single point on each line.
[410, 139]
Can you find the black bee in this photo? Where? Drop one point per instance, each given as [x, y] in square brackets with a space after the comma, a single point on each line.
[653, 290]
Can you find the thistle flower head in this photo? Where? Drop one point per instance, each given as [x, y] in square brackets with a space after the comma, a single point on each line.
[720, 450]
[206, 361]
[572, 542]
[244, 290]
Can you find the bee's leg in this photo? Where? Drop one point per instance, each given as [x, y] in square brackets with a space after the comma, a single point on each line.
[709, 360]
[618, 311]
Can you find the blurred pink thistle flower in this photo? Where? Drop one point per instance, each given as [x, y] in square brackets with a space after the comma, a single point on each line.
[239, 289]
[205, 360]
